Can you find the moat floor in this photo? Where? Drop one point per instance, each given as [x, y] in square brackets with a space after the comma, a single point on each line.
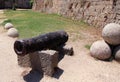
[78, 68]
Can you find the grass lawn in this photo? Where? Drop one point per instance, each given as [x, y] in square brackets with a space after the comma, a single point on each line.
[31, 23]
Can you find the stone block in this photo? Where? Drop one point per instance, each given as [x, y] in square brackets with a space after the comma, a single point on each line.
[49, 60]
[35, 61]
[44, 61]
[24, 61]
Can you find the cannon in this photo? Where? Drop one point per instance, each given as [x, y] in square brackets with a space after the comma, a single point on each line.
[42, 42]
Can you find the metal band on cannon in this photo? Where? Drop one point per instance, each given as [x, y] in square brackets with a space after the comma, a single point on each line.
[42, 42]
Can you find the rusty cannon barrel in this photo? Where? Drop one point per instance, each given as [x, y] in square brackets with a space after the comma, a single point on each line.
[41, 42]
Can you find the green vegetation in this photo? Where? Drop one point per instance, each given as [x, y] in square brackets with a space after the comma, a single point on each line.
[31, 3]
[87, 46]
[31, 23]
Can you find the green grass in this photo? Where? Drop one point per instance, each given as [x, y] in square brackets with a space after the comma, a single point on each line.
[87, 46]
[31, 23]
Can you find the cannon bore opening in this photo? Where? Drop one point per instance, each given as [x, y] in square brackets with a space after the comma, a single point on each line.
[19, 47]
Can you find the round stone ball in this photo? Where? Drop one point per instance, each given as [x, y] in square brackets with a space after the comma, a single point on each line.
[13, 32]
[117, 53]
[100, 50]
[111, 33]
[8, 25]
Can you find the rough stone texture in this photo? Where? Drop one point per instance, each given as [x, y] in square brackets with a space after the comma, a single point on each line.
[44, 61]
[95, 12]
[24, 61]
[100, 50]
[117, 53]
[111, 33]
[49, 60]
[13, 32]
[35, 61]
[8, 25]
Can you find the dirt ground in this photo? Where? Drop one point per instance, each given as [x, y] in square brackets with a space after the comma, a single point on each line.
[78, 68]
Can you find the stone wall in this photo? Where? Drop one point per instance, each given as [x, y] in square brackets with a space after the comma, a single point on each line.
[23, 3]
[1, 4]
[94, 12]
[117, 11]
[19, 4]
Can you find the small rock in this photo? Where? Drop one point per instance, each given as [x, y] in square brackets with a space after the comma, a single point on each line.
[100, 50]
[111, 33]
[8, 25]
[13, 32]
[117, 53]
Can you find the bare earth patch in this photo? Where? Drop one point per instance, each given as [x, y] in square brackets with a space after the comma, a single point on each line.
[78, 68]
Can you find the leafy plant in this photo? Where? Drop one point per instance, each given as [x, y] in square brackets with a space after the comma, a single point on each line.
[31, 3]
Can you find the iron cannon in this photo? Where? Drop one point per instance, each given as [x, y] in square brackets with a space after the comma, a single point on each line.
[42, 42]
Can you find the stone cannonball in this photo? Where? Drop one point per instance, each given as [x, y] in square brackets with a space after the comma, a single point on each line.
[13, 32]
[8, 25]
[100, 50]
[111, 33]
[117, 53]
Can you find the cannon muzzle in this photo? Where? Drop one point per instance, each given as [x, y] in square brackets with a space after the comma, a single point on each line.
[46, 41]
